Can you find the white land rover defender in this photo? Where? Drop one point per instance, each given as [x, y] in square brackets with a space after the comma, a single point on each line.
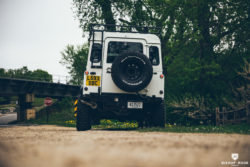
[123, 78]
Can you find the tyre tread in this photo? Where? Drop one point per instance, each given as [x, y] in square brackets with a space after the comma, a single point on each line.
[83, 117]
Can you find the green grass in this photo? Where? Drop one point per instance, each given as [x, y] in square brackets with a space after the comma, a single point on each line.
[7, 105]
[38, 102]
[238, 129]
[63, 118]
[116, 125]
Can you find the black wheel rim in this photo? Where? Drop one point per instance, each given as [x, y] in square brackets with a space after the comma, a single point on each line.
[132, 70]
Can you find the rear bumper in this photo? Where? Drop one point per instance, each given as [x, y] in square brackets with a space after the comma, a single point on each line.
[116, 105]
[118, 99]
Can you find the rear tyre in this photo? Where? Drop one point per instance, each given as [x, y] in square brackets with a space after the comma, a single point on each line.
[83, 117]
[158, 117]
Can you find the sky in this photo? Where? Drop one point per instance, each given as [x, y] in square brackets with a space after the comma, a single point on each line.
[34, 32]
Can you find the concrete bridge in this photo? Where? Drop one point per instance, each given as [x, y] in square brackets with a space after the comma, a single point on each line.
[26, 90]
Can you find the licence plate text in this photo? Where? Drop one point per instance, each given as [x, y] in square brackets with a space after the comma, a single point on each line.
[93, 80]
[136, 105]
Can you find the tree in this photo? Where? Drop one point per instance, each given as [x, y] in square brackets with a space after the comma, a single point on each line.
[199, 44]
[41, 75]
[204, 42]
[100, 11]
[75, 60]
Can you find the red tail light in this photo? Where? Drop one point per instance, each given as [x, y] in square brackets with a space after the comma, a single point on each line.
[86, 73]
[161, 76]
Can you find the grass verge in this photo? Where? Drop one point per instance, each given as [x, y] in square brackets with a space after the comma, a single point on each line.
[229, 129]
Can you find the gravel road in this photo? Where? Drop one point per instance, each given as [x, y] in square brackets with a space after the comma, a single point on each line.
[51, 146]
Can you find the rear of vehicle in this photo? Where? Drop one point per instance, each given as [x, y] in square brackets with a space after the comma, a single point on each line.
[123, 79]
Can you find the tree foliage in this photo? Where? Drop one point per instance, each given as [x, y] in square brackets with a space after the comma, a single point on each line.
[205, 43]
[75, 60]
[25, 73]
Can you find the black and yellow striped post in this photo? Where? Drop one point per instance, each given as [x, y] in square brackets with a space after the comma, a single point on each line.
[75, 107]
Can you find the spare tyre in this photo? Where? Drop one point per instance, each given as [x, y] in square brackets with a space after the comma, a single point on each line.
[131, 71]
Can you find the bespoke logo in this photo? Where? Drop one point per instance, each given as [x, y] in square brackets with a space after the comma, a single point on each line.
[235, 162]
[235, 156]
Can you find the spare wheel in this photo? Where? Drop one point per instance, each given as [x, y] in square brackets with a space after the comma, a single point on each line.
[132, 71]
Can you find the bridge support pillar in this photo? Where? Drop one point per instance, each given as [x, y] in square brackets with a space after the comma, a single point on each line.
[24, 101]
[248, 112]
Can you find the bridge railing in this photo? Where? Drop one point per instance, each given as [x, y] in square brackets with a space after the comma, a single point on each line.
[62, 79]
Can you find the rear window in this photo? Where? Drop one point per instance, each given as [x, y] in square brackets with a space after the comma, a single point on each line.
[154, 55]
[117, 48]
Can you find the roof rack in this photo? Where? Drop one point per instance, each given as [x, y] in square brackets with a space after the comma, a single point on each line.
[126, 29]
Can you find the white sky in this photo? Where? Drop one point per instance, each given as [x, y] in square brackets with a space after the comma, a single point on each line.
[34, 32]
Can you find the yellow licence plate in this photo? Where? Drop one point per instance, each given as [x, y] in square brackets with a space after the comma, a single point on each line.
[93, 80]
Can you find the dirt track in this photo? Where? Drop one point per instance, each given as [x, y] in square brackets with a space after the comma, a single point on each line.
[49, 146]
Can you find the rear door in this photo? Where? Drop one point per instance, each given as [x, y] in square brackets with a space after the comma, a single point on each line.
[157, 83]
[113, 48]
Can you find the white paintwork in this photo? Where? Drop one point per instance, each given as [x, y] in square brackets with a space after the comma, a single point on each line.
[107, 84]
